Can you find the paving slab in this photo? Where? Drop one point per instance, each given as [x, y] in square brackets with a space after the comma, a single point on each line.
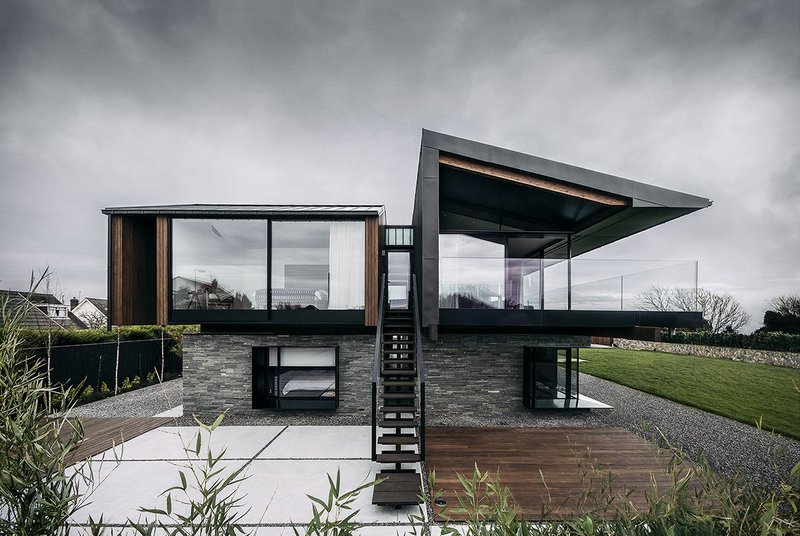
[315, 442]
[277, 490]
[177, 411]
[123, 487]
[167, 442]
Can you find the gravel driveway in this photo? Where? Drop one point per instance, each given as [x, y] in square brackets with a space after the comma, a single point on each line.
[144, 402]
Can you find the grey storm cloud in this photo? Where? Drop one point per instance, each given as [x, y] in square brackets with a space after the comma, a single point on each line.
[136, 102]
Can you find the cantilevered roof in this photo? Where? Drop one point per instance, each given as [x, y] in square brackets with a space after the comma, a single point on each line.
[247, 210]
[528, 193]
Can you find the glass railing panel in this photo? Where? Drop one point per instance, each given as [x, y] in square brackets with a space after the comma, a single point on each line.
[623, 285]
[472, 283]
[556, 287]
[582, 284]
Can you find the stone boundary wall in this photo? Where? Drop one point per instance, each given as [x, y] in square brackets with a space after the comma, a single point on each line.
[749, 355]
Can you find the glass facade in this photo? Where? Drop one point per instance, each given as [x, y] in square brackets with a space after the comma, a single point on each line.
[222, 264]
[218, 264]
[318, 265]
[478, 273]
[471, 273]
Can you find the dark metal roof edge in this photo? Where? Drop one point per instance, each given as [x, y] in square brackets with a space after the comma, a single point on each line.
[645, 194]
[251, 210]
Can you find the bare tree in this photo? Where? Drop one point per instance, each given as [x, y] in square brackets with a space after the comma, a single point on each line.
[655, 299]
[784, 314]
[94, 320]
[787, 305]
[720, 312]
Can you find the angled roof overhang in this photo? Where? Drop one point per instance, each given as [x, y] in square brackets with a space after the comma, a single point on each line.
[525, 193]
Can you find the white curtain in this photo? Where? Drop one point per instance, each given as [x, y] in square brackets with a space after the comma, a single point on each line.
[346, 265]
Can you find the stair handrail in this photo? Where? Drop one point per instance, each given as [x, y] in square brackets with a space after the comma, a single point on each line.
[420, 362]
[376, 360]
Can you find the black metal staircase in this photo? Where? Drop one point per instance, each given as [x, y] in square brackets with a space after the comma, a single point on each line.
[398, 403]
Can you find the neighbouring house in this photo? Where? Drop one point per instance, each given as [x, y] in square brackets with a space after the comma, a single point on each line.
[92, 312]
[477, 307]
[40, 310]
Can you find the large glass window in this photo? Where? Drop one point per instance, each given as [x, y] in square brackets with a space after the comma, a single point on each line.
[219, 264]
[317, 265]
[294, 378]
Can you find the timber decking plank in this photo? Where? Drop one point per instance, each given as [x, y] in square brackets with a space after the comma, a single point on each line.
[524, 456]
[103, 433]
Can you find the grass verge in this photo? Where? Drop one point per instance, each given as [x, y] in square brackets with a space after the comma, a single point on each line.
[745, 392]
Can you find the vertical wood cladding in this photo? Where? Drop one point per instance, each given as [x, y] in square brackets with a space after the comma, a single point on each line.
[372, 261]
[133, 270]
[162, 270]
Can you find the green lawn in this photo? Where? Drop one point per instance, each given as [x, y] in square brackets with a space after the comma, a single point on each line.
[740, 391]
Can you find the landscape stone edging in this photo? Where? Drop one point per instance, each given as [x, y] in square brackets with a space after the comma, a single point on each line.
[749, 355]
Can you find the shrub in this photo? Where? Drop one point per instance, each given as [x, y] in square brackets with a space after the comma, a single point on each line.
[88, 392]
[37, 493]
[136, 382]
[775, 341]
[151, 377]
[104, 390]
[126, 384]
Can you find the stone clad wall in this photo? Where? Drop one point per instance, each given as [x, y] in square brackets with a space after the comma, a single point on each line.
[782, 359]
[218, 370]
[467, 376]
[479, 376]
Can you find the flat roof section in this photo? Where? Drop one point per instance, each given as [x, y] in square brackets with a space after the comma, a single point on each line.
[245, 210]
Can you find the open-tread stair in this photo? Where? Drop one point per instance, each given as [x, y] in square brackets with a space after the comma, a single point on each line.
[398, 431]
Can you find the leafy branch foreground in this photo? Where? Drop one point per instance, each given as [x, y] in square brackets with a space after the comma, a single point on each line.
[38, 493]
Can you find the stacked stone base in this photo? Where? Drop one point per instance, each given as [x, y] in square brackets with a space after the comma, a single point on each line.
[467, 375]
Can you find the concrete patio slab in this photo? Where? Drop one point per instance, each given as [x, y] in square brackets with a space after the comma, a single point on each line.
[122, 488]
[283, 466]
[177, 411]
[281, 487]
[167, 442]
[313, 442]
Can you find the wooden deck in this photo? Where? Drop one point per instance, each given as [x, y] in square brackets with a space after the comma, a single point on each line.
[571, 460]
[102, 433]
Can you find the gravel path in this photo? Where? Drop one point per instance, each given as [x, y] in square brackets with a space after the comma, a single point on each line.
[144, 402]
[729, 446]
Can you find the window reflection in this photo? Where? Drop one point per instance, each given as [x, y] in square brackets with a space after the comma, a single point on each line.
[471, 273]
[317, 265]
[222, 264]
[218, 264]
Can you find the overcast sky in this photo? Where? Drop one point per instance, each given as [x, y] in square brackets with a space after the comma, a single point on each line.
[115, 103]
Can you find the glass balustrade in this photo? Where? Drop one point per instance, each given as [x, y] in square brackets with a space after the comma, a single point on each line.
[582, 284]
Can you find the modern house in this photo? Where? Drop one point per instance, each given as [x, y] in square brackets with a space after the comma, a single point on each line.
[475, 309]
